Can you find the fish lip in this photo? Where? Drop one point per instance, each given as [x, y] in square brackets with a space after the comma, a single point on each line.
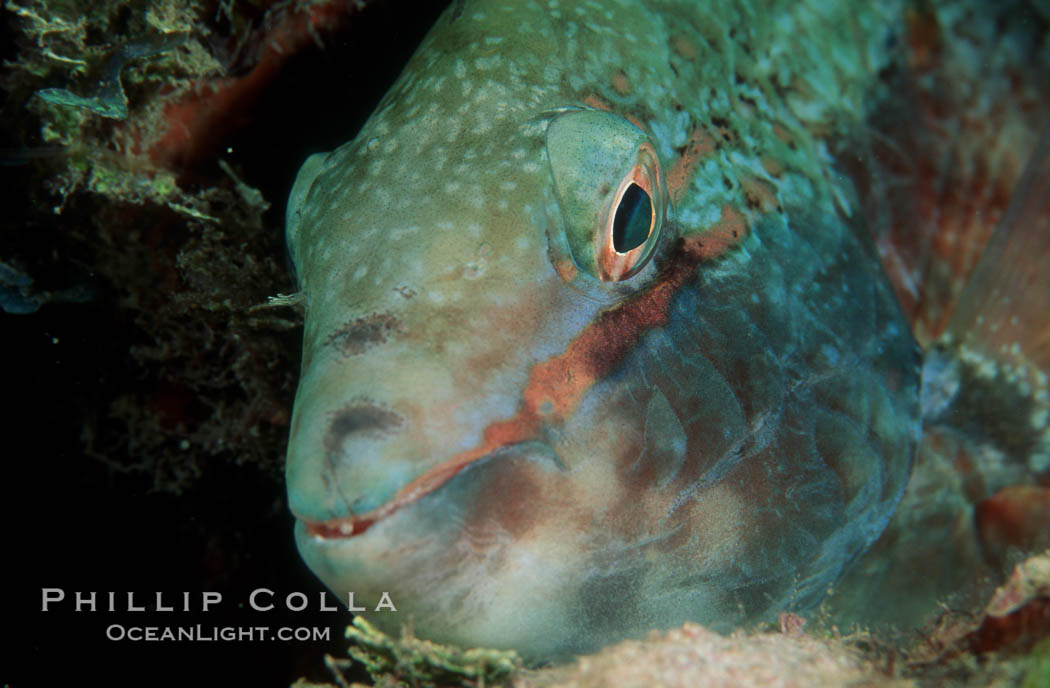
[346, 527]
[339, 528]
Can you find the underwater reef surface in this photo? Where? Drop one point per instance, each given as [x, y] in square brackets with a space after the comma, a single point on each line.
[152, 380]
[1002, 642]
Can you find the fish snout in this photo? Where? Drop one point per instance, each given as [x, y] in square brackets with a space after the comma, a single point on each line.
[368, 427]
[346, 460]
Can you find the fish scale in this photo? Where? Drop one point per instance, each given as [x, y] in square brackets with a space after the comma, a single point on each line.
[532, 439]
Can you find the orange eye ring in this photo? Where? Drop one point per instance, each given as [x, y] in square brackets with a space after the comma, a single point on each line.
[615, 265]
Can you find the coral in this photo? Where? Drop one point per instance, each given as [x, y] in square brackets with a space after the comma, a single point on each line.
[692, 655]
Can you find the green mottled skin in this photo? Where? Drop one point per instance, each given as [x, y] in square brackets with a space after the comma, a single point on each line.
[740, 443]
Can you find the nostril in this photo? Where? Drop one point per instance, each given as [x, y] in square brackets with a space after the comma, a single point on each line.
[357, 336]
[361, 419]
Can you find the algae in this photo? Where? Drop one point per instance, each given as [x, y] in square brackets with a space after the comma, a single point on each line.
[173, 258]
[108, 98]
[410, 661]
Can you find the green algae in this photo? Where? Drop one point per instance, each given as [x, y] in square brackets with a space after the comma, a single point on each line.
[409, 661]
[1038, 674]
[108, 98]
[179, 262]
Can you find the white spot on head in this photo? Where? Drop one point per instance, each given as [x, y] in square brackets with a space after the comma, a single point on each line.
[484, 63]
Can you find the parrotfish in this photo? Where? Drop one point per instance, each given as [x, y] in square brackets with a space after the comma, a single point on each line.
[598, 336]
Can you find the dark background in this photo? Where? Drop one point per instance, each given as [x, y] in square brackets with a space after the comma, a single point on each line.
[72, 521]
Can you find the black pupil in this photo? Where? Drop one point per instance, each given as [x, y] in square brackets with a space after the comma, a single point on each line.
[633, 218]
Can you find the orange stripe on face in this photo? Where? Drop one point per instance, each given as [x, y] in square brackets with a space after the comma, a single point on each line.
[556, 386]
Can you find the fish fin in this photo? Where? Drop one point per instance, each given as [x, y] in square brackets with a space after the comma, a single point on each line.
[986, 378]
[1002, 311]
[980, 490]
[940, 160]
[959, 222]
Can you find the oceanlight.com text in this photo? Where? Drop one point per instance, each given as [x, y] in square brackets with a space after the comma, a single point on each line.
[207, 633]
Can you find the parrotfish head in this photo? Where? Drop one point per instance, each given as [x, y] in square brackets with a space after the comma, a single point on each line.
[533, 408]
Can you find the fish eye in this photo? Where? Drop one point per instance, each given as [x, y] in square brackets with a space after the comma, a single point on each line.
[633, 220]
[609, 186]
[628, 232]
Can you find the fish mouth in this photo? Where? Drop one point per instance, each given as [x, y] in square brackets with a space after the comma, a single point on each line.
[346, 527]
[357, 524]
